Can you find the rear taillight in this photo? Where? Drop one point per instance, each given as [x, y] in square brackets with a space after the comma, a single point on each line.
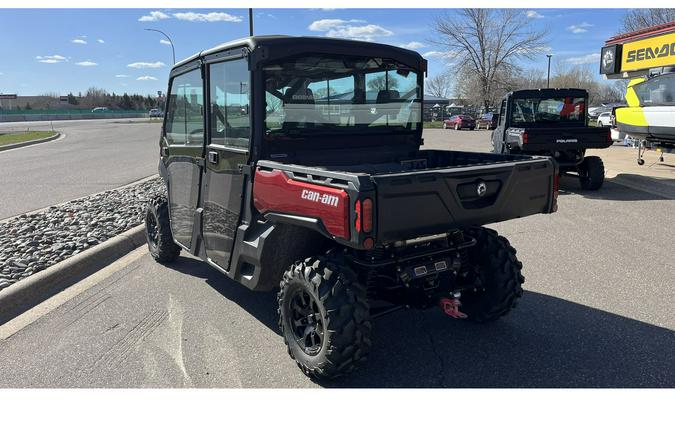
[367, 215]
[357, 211]
[523, 137]
[609, 135]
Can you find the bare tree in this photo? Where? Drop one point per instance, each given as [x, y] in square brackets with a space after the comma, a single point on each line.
[439, 85]
[643, 18]
[487, 45]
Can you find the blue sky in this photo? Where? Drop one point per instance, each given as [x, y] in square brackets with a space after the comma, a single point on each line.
[107, 48]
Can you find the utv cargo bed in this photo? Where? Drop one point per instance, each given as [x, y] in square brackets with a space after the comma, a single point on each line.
[435, 191]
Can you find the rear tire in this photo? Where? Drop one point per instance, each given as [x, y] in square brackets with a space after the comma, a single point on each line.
[498, 273]
[158, 231]
[321, 301]
[591, 173]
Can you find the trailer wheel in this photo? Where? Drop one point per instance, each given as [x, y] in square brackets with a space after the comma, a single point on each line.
[158, 231]
[324, 317]
[591, 173]
[498, 277]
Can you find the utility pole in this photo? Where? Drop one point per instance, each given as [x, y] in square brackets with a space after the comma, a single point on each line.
[548, 74]
[250, 22]
[173, 50]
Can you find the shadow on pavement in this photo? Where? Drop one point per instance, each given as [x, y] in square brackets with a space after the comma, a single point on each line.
[545, 342]
[261, 305]
[614, 190]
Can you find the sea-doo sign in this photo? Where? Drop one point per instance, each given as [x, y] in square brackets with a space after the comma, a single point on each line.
[645, 54]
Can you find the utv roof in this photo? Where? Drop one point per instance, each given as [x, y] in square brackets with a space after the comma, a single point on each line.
[266, 48]
[548, 92]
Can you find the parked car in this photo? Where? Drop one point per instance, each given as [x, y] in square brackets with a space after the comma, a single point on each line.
[460, 121]
[338, 224]
[155, 112]
[487, 120]
[605, 119]
[99, 109]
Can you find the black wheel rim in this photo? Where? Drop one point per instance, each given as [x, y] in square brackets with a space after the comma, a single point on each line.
[306, 322]
[152, 229]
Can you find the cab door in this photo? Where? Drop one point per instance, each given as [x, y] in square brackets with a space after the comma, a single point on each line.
[227, 152]
[182, 149]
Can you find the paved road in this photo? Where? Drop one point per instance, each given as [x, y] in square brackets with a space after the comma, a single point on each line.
[597, 312]
[94, 156]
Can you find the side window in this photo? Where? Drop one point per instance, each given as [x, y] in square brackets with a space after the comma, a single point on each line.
[229, 108]
[502, 112]
[185, 114]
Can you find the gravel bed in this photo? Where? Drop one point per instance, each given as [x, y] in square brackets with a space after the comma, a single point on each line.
[30, 243]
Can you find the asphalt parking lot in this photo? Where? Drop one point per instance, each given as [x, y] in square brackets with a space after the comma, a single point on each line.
[597, 312]
[94, 156]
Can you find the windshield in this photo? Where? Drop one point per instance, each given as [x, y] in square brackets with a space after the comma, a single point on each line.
[545, 110]
[334, 94]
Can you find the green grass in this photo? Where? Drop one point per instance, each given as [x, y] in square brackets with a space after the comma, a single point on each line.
[433, 125]
[17, 137]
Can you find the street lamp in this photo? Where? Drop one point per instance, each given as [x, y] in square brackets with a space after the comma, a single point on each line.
[173, 50]
[548, 74]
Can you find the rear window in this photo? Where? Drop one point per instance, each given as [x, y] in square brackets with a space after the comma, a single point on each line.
[530, 111]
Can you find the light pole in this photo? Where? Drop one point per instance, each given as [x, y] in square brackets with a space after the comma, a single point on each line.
[548, 74]
[173, 50]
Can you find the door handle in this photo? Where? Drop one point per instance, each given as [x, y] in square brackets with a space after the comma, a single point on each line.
[214, 157]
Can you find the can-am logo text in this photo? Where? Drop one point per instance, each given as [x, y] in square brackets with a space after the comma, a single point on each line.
[649, 53]
[322, 198]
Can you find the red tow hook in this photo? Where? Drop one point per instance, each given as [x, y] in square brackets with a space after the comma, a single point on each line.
[450, 307]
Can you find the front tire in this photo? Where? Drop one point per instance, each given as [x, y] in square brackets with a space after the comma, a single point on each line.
[498, 275]
[591, 173]
[324, 317]
[158, 231]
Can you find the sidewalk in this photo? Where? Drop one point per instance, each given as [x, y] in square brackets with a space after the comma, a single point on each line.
[654, 176]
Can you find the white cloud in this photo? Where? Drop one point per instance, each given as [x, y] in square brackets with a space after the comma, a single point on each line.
[578, 29]
[1, 73]
[207, 17]
[154, 17]
[412, 45]
[86, 63]
[78, 41]
[164, 42]
[51, 59]
[121, 76]
[533, 14]
[100, 41]
[328, 24]
[146, 78]
[146, 65]
[340, 28]
[587, 59]
[446, 55]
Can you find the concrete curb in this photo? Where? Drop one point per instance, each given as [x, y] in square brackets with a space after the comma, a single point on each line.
[28, 143]
[33, 290]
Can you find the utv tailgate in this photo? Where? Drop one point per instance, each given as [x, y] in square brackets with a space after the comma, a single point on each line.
[434, 201]
[558, 138]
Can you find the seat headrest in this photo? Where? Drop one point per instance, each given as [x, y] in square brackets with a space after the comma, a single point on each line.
[387, 96]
